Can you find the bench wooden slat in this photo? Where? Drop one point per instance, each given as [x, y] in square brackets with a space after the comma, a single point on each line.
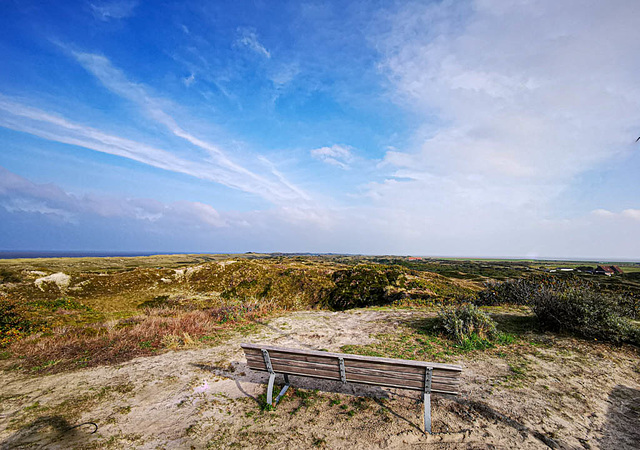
[410, 376]
[369, 363]
[356, 377]
[402, 362]
[332, 365]
[379, 381]
[334, 374]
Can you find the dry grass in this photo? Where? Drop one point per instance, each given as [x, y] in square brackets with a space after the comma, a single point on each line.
[115, 341]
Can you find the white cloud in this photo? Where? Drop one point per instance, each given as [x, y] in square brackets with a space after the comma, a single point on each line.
[603, 213]
[516, 99]
[19, 195]
[106, 11]
[541, 90]
[632, 214]
[248, 38]
[188, 81]
[177, 226]
[336, 155]
[283, 74]
[629, 214]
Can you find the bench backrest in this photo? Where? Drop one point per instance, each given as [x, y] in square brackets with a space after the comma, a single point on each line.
[396, 373]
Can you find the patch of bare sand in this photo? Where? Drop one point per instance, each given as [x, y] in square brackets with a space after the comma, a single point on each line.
[566, 395]
[61, 280]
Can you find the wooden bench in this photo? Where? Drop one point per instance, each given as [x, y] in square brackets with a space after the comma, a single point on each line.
[421, 376]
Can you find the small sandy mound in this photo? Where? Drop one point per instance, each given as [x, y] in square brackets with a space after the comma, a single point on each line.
[227, 263]
[62, 280]
[191, 270]
[37, 272]
[179, 274]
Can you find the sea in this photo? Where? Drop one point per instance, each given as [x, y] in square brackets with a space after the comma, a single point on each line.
[11, 254]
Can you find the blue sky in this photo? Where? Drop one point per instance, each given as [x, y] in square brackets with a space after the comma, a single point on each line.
[461, 128]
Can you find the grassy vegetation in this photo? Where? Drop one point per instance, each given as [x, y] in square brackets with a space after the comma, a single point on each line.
[427, 340]
[105, 310]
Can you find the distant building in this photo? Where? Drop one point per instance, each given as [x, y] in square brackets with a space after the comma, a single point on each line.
[617, 270]
[608, 270]
[414, 258]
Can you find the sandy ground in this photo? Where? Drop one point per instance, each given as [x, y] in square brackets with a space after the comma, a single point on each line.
[573, 395]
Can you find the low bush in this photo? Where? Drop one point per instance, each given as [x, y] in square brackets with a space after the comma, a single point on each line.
[366, 285]
[160, 301]
[511, 292]
[465, 323]
[112, 342]
[570, 305]
[9, 276]
[521, 291]
[65, 303]
[13, 322]
[584, 312]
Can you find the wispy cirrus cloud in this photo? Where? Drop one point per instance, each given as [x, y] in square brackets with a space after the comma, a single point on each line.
[188, 81]
[336, 155]
[115, 80]
[249, 38]
[113, 10]
[216, 165]
[20, 117]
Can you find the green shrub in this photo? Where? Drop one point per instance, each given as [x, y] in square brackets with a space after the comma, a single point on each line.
[466, 323]
[59, 303]
[585, 312]
[521, 292]
[510, 292]
[13, 322]
[570, 305]
[628, 304]
[9, 276]
[366, 285]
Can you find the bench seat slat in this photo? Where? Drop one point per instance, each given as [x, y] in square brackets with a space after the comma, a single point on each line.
[402, 362]
[258, 363]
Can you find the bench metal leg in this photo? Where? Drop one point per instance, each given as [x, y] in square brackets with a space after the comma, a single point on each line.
[427, 412]
[284, 388]
[426, 398]
[272, 378]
